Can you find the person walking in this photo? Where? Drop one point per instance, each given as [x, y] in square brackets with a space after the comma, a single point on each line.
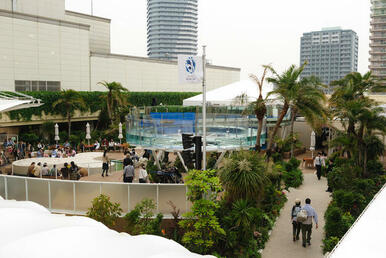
[318, 163]
[105, 164]
[295, 224]
[128, 174]
[307, 224]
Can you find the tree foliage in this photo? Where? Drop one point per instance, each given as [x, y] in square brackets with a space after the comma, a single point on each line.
[105, 211]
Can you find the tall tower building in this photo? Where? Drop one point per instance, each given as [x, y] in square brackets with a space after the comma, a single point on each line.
[171, 28]
[378, 39]
[331, 53]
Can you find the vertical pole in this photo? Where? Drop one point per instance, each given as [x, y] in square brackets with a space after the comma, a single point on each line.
[204, 107]
[49, 195]
[157, 198]
[128, 197]
[26, 189]
[6, 187]
[73, 192]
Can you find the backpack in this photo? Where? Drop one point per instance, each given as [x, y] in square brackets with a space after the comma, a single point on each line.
[296, 211]
[302, 216]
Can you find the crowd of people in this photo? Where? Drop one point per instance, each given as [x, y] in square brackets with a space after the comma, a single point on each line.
[68, 171]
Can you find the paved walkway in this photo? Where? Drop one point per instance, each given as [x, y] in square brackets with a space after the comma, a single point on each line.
[280, 243]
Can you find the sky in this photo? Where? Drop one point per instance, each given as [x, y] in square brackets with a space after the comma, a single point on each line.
[241, 33]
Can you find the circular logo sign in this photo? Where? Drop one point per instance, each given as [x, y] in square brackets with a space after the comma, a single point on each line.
[190, 65]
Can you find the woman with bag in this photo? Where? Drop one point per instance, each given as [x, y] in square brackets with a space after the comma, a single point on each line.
[295, 224]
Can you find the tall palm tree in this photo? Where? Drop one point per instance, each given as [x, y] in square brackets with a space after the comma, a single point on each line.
[69, 101]
[259, 106]
[307, 100]
[285, 84]
[114, 98]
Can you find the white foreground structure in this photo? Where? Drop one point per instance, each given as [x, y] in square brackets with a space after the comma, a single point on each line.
[366, 237]
[30, 230]
[44, 47]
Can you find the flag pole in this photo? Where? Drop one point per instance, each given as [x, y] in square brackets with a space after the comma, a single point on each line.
[204, 107]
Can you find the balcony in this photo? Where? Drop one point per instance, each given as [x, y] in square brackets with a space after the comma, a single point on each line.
[375, 37]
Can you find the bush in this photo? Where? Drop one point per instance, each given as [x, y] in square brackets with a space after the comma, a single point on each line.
[329, 244]
[103, 210]
[351, 202]
[140, 219]
[337, 222]
[293, 178]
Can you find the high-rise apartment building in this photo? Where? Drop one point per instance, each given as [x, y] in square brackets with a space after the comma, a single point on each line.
[171, 28]
[378, 39]
[331, 53]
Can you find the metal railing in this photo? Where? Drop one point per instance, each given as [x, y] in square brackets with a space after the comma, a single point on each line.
[75, 197]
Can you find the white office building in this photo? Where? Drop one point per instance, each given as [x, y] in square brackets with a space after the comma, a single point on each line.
[44, 47]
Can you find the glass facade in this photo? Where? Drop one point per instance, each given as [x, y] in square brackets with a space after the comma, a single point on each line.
[171, 28]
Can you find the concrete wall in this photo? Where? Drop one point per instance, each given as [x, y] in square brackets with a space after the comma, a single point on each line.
[45, 8]
[39, 49]
[144, 74]
[99, 30]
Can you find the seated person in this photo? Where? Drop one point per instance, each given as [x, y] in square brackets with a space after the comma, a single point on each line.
[54, 171]
[30, 169]
[65, 171]
[45, 170]
[54, 153]
[72, 153]
[39, 153]
[111, 145]
[66, 144]
[74, 174]
[97, 145]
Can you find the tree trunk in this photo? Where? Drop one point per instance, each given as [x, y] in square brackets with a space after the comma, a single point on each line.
[365, 162]
[109, 100]
[293, 116]
[276, 128]
[258, 136]
[69, 124]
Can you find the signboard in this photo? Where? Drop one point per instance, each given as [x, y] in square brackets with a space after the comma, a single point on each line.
[189, 69]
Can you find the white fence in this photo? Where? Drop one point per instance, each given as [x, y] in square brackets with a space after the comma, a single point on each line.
[75, 197]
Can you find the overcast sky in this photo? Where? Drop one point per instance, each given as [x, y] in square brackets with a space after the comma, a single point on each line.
[241, 33]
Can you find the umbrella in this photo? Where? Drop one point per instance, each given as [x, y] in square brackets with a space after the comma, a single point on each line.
[88, 136]
[120, 136]
[312, 145]
[57, 133]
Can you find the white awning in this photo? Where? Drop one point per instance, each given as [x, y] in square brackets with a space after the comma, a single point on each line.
[237, 94]
[16, 100]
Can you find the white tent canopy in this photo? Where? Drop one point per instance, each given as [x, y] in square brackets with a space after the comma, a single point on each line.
[16, 100]
[232, 94]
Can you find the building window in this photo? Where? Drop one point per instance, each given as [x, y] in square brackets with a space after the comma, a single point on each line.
[37, 86]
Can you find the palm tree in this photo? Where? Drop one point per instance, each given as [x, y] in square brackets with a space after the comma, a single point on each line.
[243, 176]
[69, 101]
[285, 84]
[114, 98]
[259, 107]
[307, 100]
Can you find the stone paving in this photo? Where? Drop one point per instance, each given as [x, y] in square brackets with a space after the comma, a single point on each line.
[280, 243]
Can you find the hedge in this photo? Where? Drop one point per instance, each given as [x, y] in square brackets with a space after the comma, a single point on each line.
[94, 102]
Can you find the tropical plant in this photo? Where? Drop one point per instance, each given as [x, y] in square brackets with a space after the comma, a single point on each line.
[259, 106]
[202, 228]
[69, 101]
[243, 176]
[115, 99]
[302, 95]
[140, 219]
[359, 116]
[103, 210]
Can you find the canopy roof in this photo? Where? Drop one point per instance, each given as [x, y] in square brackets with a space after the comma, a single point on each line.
[14, 100]
[238, 94]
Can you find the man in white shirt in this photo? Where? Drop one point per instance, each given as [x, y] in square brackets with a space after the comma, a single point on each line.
[307, 225]
[318, 163]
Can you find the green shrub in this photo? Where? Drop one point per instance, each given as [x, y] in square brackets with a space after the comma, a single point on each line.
[140, 220]
[202, 227]
[351, 202]
[103, 210]
[337, 222]
[293, 178]
[292, 164]
[329, 244]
